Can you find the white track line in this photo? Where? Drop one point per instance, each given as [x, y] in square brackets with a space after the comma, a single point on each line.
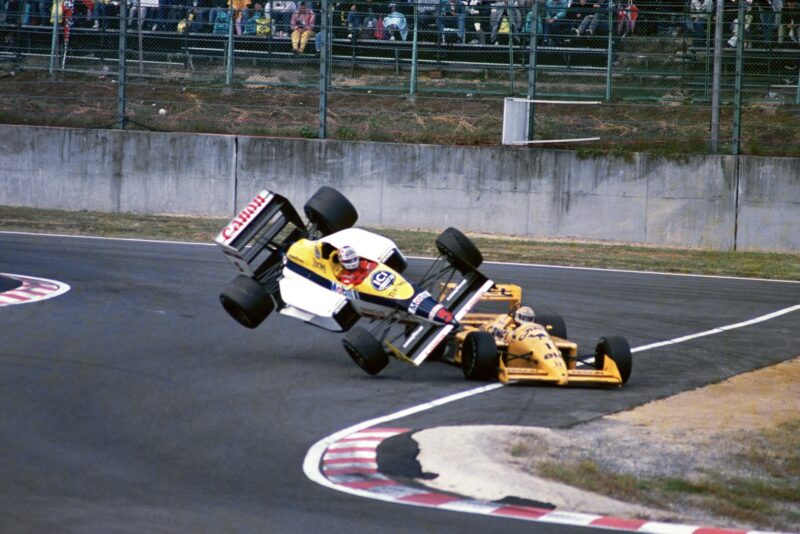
[313, 460]
[515, 264]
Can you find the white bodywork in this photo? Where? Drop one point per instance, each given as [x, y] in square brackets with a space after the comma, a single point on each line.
[366, 244]
[310, 302]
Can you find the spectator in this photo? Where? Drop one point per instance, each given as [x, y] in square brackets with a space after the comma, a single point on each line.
[748, 20]
[302, 24]
[590, 22]
[427, 13]
[768, 14]
[626, 18]
[395, 24]
[790, 22]
[510, 10]
[477, 20]
[453, 15]
[282, 11]
[554, 21]
[100, 14]
[577, 12]
[699, 11]
[353, 21]
[239, 10]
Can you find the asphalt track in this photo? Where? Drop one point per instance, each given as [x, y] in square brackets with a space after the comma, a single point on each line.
[134, 403]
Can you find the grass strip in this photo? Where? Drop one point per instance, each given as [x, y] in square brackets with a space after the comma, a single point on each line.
[779, 266]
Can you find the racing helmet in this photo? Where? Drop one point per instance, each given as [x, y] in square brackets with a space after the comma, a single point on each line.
[524, 314]
[348, 257]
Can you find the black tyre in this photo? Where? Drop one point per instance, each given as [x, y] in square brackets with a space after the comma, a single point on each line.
[479, 359]
[554, 324]
[330, 211]
[459, 250]
[397, 262]
[366, 351]
[616, 348]
[246, 301]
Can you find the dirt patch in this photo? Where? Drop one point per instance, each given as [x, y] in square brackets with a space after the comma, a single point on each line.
[728, 433]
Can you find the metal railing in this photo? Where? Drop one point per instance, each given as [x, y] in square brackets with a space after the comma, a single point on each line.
[420, 72]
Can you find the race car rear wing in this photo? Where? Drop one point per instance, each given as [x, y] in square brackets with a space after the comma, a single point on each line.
[253, 239]
[423, 339]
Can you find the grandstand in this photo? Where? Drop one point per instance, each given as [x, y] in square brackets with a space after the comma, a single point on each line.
[644, 60]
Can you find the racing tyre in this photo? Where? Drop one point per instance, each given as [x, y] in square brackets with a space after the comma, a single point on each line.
[459, 250]
[330, 211]
[365, 350]
[616, 348]
[246, 301]
[479, 359]
[556, 323]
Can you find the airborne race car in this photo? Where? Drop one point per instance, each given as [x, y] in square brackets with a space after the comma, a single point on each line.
[291, 266]
[493, 346]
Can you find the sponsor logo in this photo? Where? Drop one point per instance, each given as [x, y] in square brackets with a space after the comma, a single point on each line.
[396, 289]
[381, 280]
[413, 336]
[244, 217]
[456, 290]
[318, 265]
[416, 301]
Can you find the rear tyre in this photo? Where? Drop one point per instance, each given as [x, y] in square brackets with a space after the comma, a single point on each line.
[479, 359]
[553, 323]
[330, 211]
[365, 350]
[246, 301]
[459, 250]
[616, 348]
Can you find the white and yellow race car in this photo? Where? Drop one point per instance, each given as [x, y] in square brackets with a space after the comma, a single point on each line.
[294, 267]
[494, 345]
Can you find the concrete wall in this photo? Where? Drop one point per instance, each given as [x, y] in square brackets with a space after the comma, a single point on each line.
[540, 193]
[106, 170]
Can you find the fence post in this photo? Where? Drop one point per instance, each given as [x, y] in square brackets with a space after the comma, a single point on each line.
[610, 56]
[229, 55]
[510, 51]
[737, 91]
[717, 77]
[123, 45]
[412, 89]
[54, 40]
[533, 32]
[797, 96]
[323, 68]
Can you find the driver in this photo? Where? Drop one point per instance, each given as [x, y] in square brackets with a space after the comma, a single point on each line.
[354, 269]
[524, 314]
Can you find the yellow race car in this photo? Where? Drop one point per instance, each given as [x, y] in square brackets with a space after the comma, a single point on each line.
[492, 345]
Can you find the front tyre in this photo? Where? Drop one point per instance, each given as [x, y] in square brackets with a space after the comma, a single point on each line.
[246, 301]
[479, 359]
[365, 350]
[616, 348]
[330, 211]
[459, 250]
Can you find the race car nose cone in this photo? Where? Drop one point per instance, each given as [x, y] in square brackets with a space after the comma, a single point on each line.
[443, 315]
[431, 310]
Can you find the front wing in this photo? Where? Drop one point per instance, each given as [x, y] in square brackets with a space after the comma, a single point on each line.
[421, 341]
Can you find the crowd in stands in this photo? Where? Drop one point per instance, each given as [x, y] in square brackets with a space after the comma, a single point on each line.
[767, 22]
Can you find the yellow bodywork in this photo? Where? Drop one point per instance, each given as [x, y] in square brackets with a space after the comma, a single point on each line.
[308, 254]
[528, 352]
